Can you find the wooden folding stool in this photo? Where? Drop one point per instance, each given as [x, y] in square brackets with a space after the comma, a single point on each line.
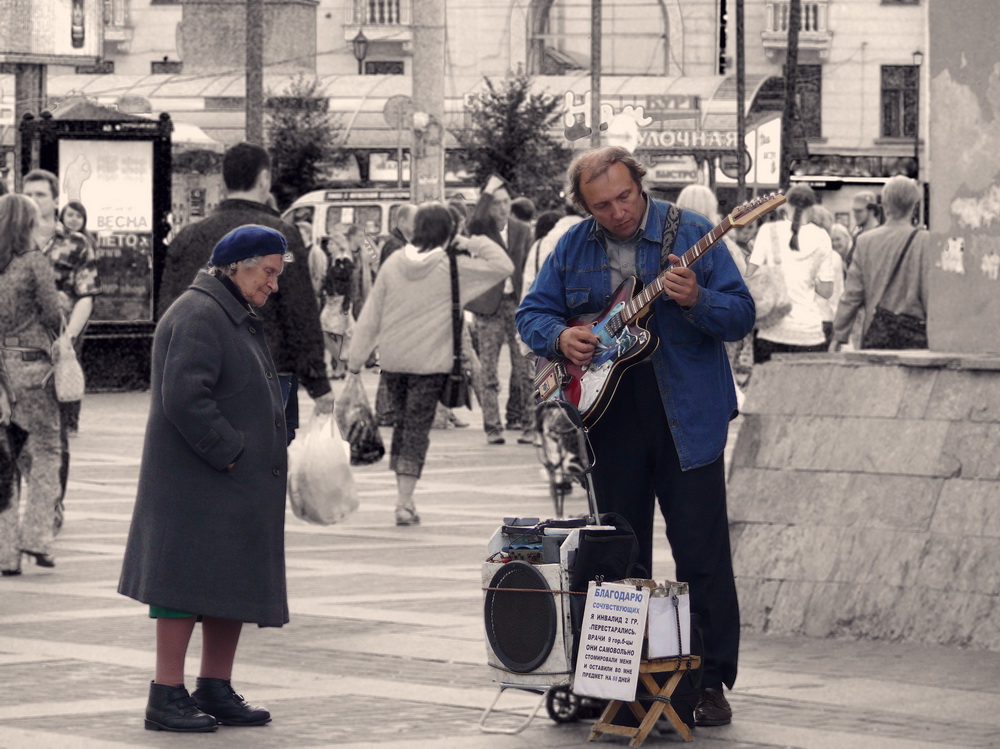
[659, 695]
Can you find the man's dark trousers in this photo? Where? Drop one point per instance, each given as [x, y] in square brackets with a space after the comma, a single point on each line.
[637, 460]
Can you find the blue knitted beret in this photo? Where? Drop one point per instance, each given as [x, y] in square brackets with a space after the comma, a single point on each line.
[248, 241]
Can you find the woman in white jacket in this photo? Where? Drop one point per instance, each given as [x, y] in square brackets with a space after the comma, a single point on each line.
[408, 315]
[804, 253]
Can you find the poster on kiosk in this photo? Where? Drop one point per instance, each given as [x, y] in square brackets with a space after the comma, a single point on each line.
[113, 180]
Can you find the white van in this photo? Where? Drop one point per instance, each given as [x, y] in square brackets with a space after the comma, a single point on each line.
[373, 209]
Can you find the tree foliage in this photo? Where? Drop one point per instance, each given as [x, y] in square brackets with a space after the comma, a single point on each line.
[510, 135]
[304, 139]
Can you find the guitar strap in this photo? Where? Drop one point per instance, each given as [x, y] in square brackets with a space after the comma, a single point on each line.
[670, 227]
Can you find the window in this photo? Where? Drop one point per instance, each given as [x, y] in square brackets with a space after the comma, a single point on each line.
[810, 94]
[384, 67]
[367, 216]
[166, 66]
[225, 102]
[899, 101]
[103, 67]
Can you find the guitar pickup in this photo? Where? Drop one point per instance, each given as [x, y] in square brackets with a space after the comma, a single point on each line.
[548, 386]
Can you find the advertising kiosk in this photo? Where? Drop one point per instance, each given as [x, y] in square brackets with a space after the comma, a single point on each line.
[118, 166]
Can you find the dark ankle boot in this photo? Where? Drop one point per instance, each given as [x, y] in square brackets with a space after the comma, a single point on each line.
[172, 709]
[217, 697]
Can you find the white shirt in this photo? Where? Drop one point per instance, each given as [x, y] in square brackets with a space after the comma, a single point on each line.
[803, 325]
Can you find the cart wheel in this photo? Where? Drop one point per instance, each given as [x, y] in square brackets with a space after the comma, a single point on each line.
[563, 706]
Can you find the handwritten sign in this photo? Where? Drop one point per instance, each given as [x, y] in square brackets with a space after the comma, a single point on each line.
[610, 648]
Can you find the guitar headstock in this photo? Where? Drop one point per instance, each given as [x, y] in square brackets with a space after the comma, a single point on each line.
[746, 213]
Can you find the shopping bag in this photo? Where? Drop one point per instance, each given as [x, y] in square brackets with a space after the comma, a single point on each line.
[456, 391]
[357, 423]
[67, 372]
[767, 286]
[893, 330]
[321, 486]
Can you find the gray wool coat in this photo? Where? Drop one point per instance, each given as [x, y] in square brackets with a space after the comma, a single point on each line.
[203, 539]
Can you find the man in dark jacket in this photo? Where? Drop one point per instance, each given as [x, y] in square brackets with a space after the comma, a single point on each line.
[291, 320]
[495, 316]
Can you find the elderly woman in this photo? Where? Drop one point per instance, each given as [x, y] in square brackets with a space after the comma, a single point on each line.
[207, 535]
[409, 316]
[888, 267]
[29, 413]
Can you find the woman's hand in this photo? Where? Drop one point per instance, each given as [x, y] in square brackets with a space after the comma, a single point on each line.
[324, 403]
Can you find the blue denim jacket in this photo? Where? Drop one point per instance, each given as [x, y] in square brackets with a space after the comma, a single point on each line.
[691, 365]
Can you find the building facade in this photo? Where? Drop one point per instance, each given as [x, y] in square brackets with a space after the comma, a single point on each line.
[668, 86]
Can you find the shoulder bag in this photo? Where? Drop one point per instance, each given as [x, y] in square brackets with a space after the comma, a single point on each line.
[894, 330]
[767, 286]
[455, 392]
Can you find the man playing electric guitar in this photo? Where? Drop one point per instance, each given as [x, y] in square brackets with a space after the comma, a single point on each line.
[664, 429]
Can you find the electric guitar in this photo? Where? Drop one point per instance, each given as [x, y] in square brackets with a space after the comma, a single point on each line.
[622, 339]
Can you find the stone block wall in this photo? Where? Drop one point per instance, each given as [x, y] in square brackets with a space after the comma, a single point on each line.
[864, 498]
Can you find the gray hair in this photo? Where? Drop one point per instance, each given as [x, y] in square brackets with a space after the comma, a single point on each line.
[899, 196]
[227, 271]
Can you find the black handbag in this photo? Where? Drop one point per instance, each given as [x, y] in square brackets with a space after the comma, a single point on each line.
[895, 330]
[456, 388]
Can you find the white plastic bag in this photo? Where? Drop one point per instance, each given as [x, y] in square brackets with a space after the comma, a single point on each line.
[321, 486]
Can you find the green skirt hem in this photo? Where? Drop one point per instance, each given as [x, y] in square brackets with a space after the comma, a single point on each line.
[157, 612]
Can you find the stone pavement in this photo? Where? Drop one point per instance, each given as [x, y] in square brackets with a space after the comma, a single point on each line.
[385, 647]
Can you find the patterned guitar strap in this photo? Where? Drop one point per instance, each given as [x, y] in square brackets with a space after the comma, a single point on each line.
[670, 227]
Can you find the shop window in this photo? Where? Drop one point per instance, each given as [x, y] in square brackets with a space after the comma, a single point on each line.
[103, 67]
[899, 101]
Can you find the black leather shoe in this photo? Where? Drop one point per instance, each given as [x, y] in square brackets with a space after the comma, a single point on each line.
[713, 709]
[172, 709]
[42, 560]
[217, 697]
[10, 573]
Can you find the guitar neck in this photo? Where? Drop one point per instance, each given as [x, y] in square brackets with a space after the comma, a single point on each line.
[638, 304]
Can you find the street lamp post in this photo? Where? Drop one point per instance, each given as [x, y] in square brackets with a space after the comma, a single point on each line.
[918, 59]
[360, 44]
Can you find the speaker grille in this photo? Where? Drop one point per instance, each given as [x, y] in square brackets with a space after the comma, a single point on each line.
[521, 626]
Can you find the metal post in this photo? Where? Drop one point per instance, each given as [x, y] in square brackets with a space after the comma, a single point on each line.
[255, 72]
[741, 119]
[595, 73]
[29, 98]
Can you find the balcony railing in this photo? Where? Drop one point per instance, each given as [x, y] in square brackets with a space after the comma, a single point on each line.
[814, 29]
[379, 13]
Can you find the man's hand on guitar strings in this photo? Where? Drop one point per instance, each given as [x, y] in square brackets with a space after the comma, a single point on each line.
[577, 344]
[680, 283]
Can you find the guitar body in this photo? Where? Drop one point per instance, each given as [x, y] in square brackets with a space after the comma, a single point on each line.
[592, 387]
